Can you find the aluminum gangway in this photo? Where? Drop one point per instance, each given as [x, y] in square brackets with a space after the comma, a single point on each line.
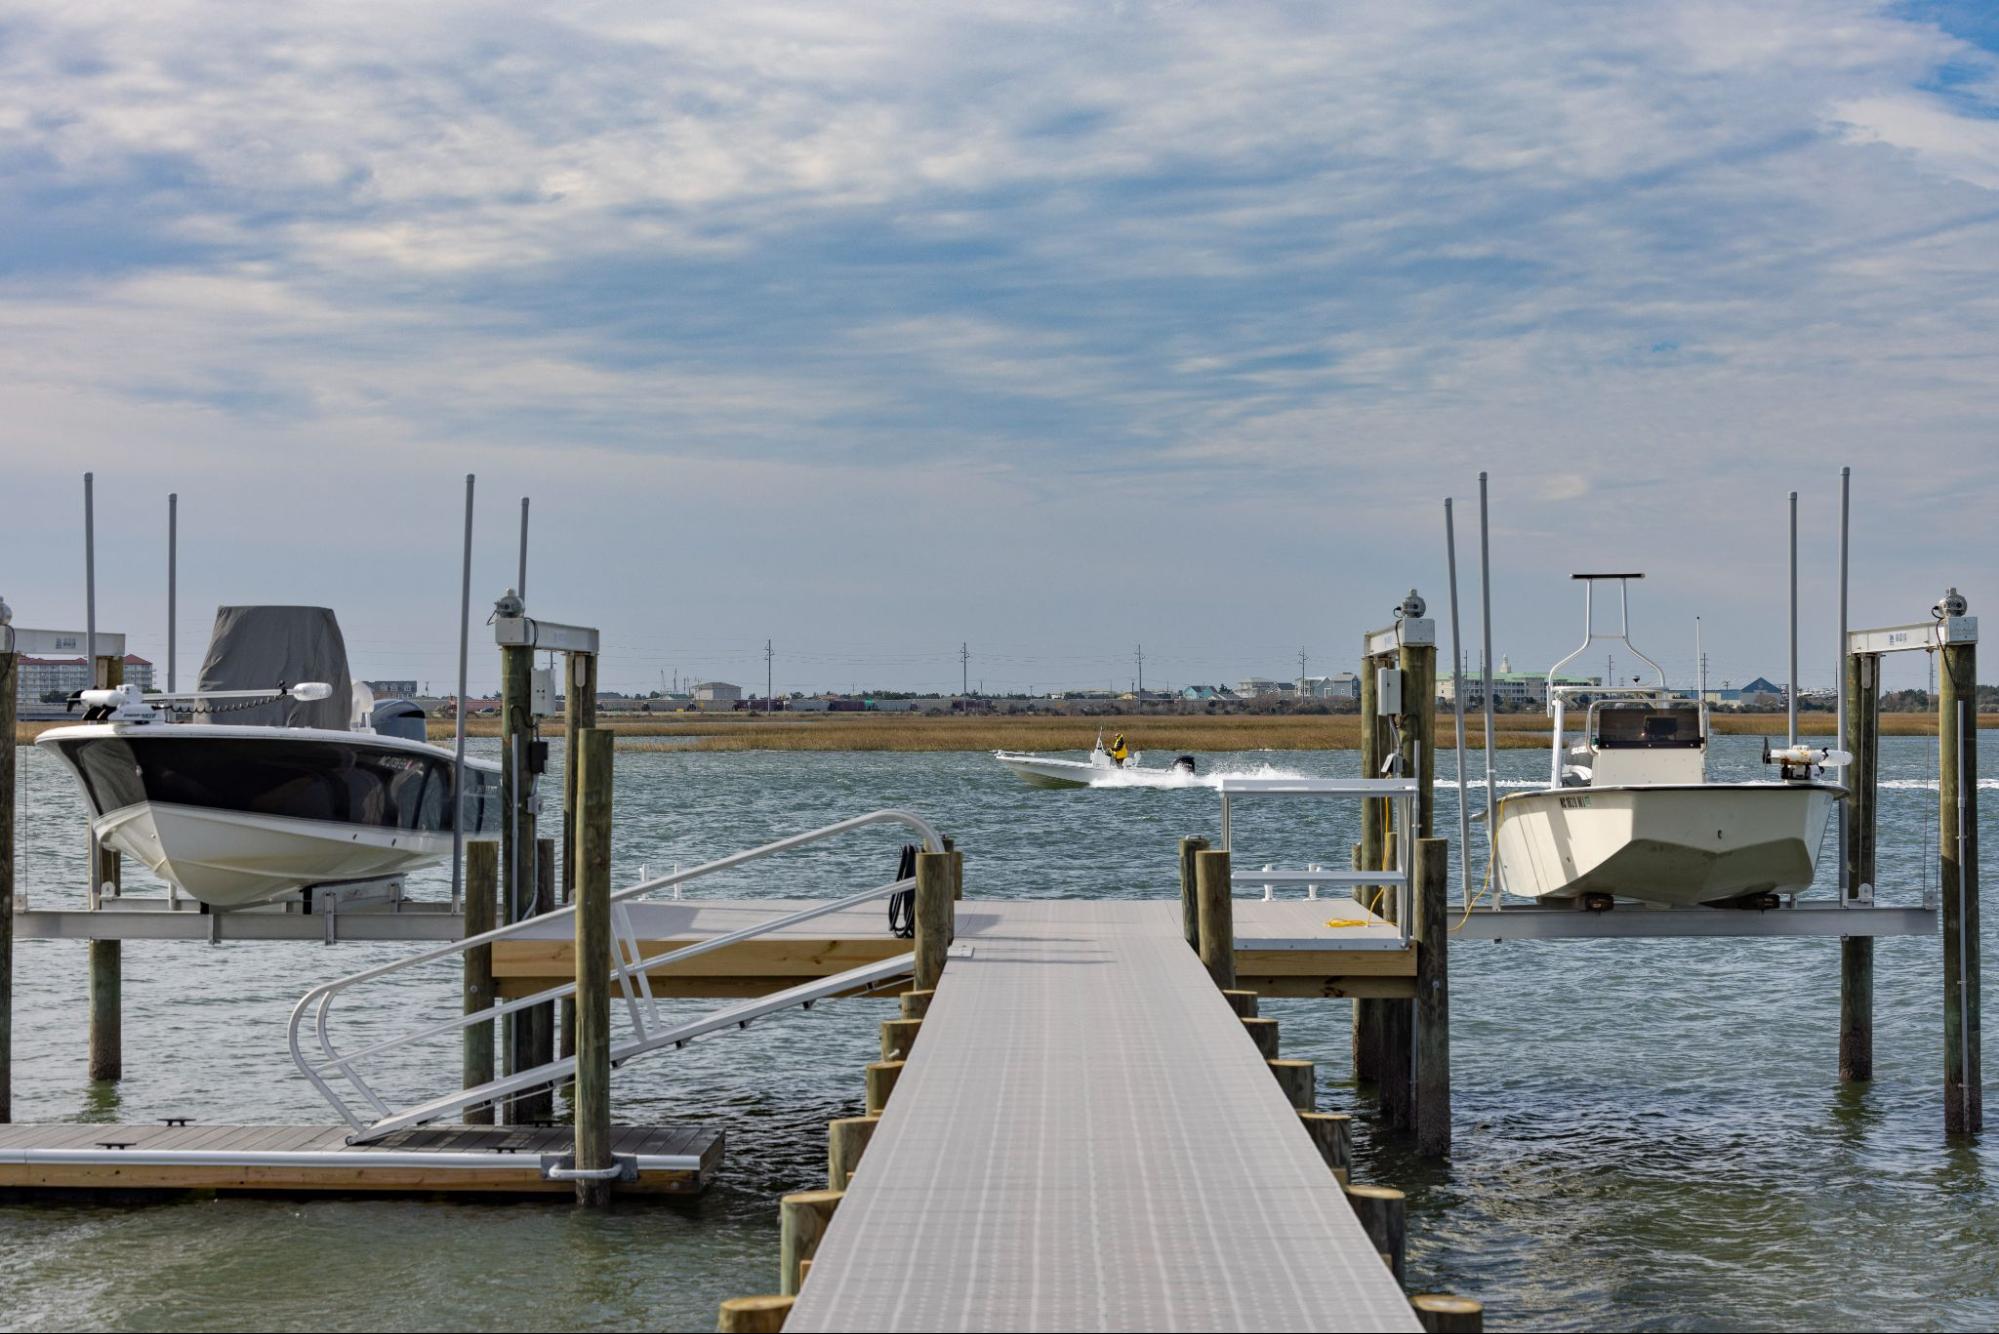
[646, 1031]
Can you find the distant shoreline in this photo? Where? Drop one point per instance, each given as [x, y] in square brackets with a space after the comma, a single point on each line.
[1150, 732]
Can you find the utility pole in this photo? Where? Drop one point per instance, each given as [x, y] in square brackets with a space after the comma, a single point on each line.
[1138, 654]
[770, 657]
[1301, 672]
[965, 669]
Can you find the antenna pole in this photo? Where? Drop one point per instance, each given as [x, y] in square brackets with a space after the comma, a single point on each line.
[458, 719]
[1791, 687]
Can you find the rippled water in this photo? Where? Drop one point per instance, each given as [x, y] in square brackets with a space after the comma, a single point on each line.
[1649, 1133]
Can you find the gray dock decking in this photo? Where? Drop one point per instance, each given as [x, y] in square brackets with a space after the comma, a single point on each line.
[1085, 1139]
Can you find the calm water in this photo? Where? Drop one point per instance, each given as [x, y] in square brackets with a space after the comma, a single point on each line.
[1649, 1134]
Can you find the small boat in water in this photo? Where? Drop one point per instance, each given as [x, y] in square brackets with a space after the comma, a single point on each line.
[1630, 812]
[274, 788]
[1104, 767]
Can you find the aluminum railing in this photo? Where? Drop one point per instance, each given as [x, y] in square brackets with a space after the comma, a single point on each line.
[1400, 878]
[628, 966]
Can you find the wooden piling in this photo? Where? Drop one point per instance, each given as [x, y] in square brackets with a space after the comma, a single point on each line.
[1190, 909]
[1432, 933]
[1332, 1136]
[1384, 1215]
[579, 712]
[916, 1004]
[846, 1140]
[802, 1219]
[1299, 1080]
[593, 953]
[1441, 1313]
[517, 836]
[1366, 1011]
[482, 889]
[935, 917]
[538, 1022]
[1242, 1002]
[1957, 809]
[881, 1077]
[1216, 916]
[9, 665]
[106, 957]
[898, 1036]
[753, 1315]
[1856, 953]
[1263, 1032]
[107, 1028]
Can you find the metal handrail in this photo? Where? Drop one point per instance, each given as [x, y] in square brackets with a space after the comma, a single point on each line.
[1402, 876]
[628, 965]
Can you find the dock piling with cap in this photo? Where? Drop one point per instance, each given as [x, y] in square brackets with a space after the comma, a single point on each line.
[593, 954]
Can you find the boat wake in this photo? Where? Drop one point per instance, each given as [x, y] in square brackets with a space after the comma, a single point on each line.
[1180, 778]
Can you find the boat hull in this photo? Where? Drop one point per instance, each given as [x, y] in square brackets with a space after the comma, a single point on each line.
[235, 816]
[1678, 845]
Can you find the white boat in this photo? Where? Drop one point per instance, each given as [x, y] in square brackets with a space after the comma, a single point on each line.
[1099, 770]
[241, 813]
[1630, 813]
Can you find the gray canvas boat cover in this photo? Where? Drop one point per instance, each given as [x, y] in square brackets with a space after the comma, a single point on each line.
[262, 648]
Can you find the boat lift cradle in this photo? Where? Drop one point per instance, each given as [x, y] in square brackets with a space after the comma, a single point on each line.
[628, 966]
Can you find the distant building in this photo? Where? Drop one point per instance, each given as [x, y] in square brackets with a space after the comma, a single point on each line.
[717, 696]
[37, 677]
[1343, 686]
[1257, 687]
[1762, 694]
[1510, 689]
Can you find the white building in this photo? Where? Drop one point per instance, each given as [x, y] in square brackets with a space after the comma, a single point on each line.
[717, 696]
[1343, 686]
[38, 677]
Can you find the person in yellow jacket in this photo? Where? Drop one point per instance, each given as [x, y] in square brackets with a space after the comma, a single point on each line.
[1119, 752]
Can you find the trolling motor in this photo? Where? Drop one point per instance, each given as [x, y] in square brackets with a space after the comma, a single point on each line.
[129, 704]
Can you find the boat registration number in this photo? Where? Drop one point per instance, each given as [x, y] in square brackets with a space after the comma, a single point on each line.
[1575, 803]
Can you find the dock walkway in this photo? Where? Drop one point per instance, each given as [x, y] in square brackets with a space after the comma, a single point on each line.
[1084, 1138]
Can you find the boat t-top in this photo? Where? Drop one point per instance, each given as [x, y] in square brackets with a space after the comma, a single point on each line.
[1629, 811]
[270, 787]
[1104, 766]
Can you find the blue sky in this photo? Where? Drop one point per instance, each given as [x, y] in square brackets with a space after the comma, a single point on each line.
[1052, 328]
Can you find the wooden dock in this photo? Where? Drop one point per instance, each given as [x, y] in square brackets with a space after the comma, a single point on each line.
[1084, 1137]
[479, 1160]
[1286, 947]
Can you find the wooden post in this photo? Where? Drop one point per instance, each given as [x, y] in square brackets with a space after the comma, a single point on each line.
[1440, 1313]
[1366, 1012]
[1216, 913]
[517, 834]
[538, 1022]
[1957, 803]
[846, 1140]
[1332, 1136]
[1263, 1032]
[9, 660]
[1383, 1215]
[1299, 1080]
[753, 1315]
[106, 982]
[1432, 933]
[1242, 1002]
[1190, 910]
[881, 1076]
[916, 1004]
[579, 711]
[1856, 953]
[935, 917]
[898, 1036]
[802, 1219]
[593, 953]
[957, 873]
[482, 890]
[1396, 1056]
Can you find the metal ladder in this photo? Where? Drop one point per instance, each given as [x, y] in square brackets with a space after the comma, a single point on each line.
[628, 966]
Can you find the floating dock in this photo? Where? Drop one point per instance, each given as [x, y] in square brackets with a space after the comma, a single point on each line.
[436, 1160]
[1085, 1137]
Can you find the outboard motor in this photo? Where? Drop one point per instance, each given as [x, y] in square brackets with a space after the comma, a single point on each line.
[399, 718]
[1184, 765]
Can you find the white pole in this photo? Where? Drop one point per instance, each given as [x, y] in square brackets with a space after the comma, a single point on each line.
[173, 554]
[1458, 708]
[1839, 662]
[521, 580]
[1791, 689]
[1485, 600]
[90, 635]
[458, 722]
